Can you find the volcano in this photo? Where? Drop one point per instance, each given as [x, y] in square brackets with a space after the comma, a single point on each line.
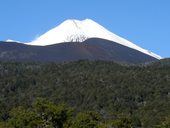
[77, 40]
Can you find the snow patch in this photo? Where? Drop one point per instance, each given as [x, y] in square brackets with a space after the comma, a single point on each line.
[11, 41]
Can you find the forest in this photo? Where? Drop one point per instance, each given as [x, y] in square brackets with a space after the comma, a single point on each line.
[85, 94]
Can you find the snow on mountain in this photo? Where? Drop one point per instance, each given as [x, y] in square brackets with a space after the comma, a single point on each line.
[9, 40]
[79, 31]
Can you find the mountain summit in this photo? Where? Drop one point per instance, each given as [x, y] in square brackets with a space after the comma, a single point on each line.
[76, 40]
[78, 31]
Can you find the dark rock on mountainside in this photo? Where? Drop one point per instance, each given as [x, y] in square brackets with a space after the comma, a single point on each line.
[91, 49]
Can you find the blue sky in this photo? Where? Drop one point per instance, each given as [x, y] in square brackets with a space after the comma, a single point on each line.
[144, 22]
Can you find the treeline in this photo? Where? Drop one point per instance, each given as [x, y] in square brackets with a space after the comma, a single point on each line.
[45, 114]
[137, 95]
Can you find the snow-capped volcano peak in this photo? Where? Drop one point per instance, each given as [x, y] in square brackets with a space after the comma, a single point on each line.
[78, 31]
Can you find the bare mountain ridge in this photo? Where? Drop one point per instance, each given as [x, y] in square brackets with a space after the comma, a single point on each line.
[90, 49]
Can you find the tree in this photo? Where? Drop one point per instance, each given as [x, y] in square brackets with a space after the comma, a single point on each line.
[122, 122]
[24, 118]
[57, 115]
[86, 120]
[42, 114]
[165, 123]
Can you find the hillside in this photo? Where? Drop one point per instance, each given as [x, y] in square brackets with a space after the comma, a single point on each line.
[90, 49]
[140, 91]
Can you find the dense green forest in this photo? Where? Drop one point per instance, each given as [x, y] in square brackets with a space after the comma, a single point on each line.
[85, 94]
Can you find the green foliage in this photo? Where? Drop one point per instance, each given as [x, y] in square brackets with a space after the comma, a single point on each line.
[57, 115]
[165, 123]
[3, 125]
[140, 91]
[21, 117]
[42, 114]
[122, 122]
[86, 120]
[45, 114]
